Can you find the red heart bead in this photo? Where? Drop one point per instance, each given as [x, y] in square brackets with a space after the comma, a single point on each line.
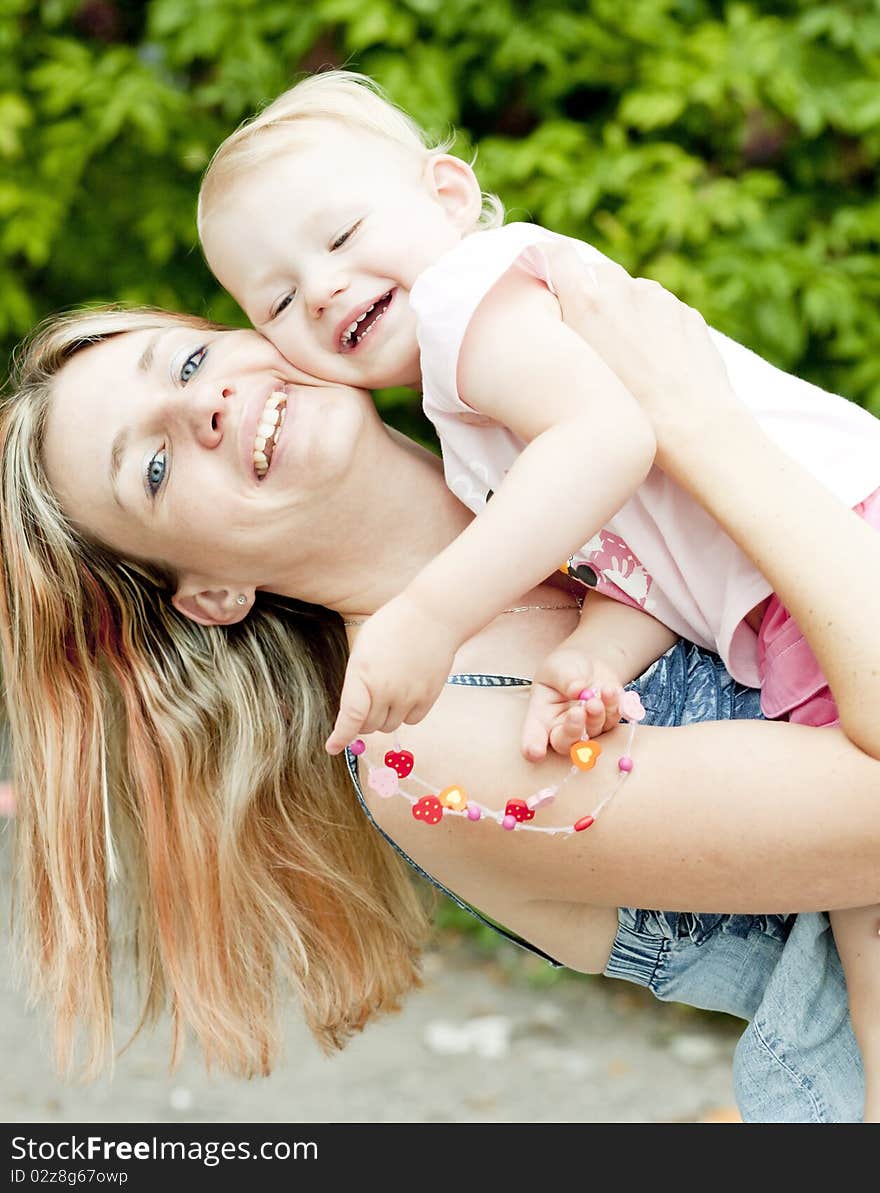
[519, 810]
[428, 809]
[400, 760]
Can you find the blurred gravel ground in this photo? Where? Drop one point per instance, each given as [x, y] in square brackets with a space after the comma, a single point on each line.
[487, 1040]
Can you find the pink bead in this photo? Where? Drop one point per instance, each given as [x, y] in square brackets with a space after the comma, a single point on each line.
[586, 694]
[625, 764]
[508, 822]
[357, 746]
[545, 796]
[473, 812]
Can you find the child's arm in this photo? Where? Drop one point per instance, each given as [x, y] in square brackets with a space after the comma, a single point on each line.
[589, 447]
[858, 942]
[612, 644]
[712, 447]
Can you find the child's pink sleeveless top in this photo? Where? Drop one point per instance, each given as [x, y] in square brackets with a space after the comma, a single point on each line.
[661, 552]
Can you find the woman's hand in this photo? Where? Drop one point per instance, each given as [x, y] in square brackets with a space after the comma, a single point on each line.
[658, 346]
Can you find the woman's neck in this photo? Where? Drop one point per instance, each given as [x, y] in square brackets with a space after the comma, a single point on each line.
[392, 517]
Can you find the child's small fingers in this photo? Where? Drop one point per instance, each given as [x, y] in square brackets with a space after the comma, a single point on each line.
[595, 717]
[568, 729]
[534, 738]
[534, 751]
[536, 724]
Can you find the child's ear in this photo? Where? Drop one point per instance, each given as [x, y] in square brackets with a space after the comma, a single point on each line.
[454, 185]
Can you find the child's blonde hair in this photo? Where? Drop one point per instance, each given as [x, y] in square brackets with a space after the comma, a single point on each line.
[195, 758]
[341, 96]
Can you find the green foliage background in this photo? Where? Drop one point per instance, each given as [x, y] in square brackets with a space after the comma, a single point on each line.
[728, 149]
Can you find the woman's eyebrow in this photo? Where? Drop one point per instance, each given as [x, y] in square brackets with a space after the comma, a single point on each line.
[146, 361]
[116, 454]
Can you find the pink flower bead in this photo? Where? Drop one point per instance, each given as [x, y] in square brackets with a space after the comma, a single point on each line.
[625, 764]
[508, 822]
[357, 746]
[586, 694]
[473, 812]
[545, 796]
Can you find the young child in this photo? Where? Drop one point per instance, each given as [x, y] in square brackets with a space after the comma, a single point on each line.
[369, 258]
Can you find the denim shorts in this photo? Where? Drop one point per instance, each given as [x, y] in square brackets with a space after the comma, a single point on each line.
[797, 1061]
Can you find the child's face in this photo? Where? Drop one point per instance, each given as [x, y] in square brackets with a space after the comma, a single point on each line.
[333, 234]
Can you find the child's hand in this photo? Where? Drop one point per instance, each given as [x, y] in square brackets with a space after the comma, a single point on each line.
[555, 716]
[395, 673]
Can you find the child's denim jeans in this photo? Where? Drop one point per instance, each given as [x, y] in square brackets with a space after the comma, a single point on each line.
[797, 1061]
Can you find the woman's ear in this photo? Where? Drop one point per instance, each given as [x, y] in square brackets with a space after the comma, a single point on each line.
[454, 185]
[211, 606]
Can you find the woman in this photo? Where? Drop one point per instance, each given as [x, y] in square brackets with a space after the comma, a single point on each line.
[188, 759]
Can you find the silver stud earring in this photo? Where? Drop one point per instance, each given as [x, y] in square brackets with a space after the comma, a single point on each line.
[241, 599]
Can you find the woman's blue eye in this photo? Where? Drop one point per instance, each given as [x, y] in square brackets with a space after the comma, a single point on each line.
[192, 364]
[341, 239]
[156, 471]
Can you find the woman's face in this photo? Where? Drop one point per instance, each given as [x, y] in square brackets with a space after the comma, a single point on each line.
[151, 442]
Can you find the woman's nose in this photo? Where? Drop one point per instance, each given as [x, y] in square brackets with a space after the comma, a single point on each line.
[203, 408]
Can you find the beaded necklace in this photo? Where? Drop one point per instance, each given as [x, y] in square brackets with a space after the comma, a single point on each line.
[453, 801]
[516, 609]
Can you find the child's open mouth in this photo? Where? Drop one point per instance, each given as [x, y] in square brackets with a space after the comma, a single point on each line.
[363, 324]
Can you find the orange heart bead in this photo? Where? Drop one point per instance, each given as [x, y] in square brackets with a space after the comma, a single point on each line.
[585, 754]
[454, 798]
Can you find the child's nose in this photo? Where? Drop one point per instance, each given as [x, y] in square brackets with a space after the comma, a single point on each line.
[323, 292]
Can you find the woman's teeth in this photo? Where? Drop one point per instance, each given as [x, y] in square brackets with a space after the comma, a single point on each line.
[267, 432]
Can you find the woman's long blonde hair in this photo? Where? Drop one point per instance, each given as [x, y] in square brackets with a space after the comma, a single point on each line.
[191, 760]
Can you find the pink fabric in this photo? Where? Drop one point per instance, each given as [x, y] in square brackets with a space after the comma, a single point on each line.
[792, 683]
[661, 552]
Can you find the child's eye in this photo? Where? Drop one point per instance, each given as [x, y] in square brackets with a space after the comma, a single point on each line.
[281, 305]
[191, 365]
[156, 470]
[341, 239]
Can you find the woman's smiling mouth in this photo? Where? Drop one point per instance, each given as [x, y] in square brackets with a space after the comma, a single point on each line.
[271, 421]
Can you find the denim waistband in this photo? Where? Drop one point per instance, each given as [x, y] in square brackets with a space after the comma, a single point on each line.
[649, 945]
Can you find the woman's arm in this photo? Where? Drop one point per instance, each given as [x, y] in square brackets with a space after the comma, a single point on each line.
[774, 510]
[743, 816]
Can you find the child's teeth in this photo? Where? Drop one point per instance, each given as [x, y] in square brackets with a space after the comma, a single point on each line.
[352, 327]
[259, 443]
